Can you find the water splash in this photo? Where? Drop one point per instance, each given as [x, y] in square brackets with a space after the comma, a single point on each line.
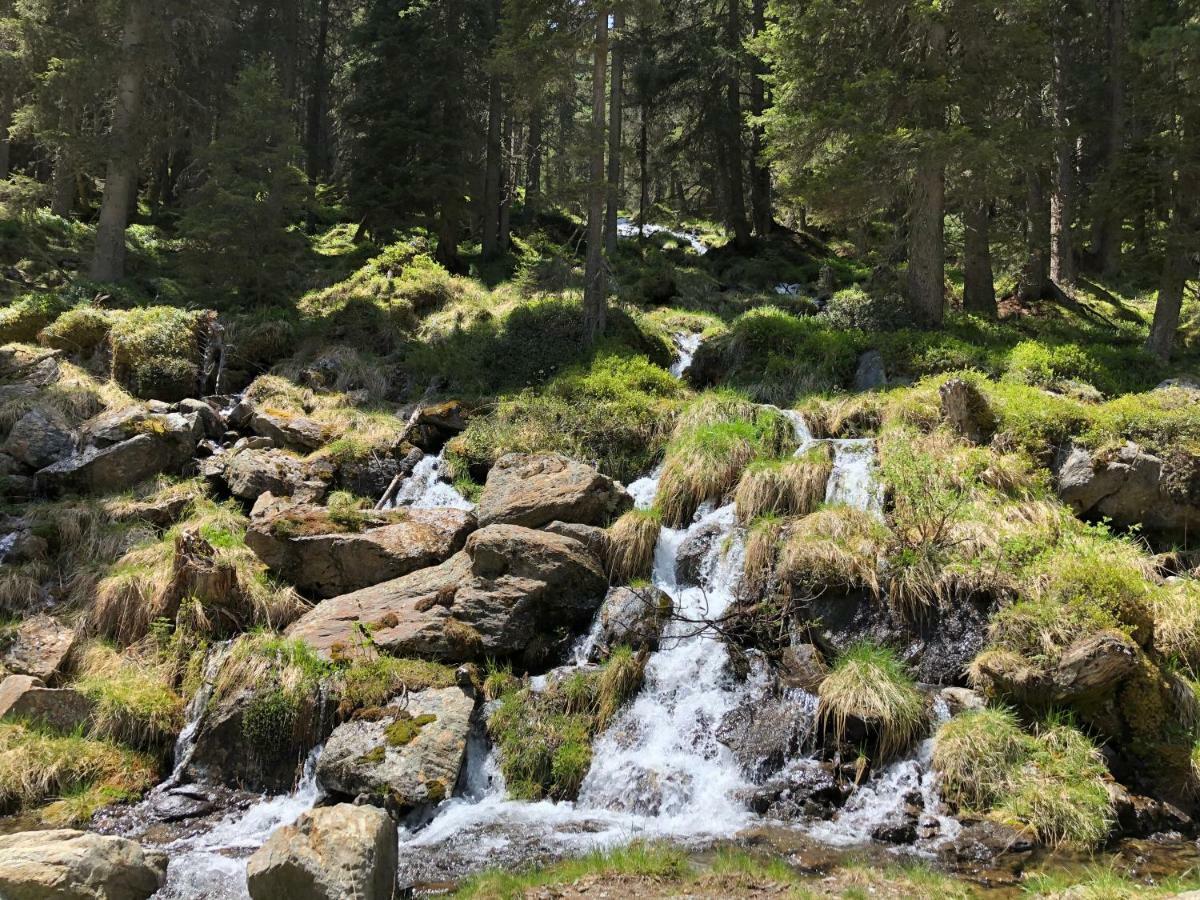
[854, 480]
[425, 488]
[6, 544]
[686, 346]
[627, 229]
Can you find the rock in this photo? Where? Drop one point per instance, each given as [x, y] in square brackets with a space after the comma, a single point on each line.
[535, 490]
[984, 841]
[1139, 816]
[250, 473]
[39, 647]
[897, 829]
[26, 697]
[368, 477]
[689, 561]
[331, 853]
[116, 467]
[39, 438]
[591, 536]
[1092, 666]
[806, 789]
[162, 512]
[405, 756]
[767, 732]
[801, 666]
[436, 424]
[326, 565]
[870, 374]
[76, 865]
[206, 415]
[634, 617]
[960, 700]
[290, 432]
[511, 591]
[1180, 382]
[966, 410]
[1129, 486]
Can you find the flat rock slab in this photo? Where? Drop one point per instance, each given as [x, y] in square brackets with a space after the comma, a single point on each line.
[26, 698]
[535, 490]
[39, 647]
[405, 756]
[76, 865]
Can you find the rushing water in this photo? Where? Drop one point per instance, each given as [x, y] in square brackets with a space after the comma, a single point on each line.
[6, 544]
[185, 743]
[628, 229]
[425, 488]
[854, 480]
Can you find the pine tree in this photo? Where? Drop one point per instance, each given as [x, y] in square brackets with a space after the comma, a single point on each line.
[240, 226]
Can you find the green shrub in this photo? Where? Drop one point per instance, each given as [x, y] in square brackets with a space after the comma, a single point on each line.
[79, 330]
[156, 351]
[854, 308]
[21, 321]
[870, 684]
[976, 753]
[1050, 365]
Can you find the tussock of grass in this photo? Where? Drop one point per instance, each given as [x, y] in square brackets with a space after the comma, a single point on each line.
[373, 682]
[136, 704]
[763, 541]
[707, 455]
[975, 754]
[836, 546]
[630, 545]
[36, 765]
[786, 487]
[871, 685]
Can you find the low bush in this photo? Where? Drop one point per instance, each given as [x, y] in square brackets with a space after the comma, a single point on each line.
[793, 486]
[80, 330]
[870, 685]
[854, 308]
[630, 545]
[21, 321]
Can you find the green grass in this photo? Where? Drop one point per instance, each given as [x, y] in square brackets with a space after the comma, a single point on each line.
[365, 683]
[870, 684]
[135, 700]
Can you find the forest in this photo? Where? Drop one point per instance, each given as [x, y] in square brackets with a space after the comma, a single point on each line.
[525, 448]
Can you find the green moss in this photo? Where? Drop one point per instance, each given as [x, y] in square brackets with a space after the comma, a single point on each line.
[21, 321]
[79, 330]
[374, 756]
[367, 682]
[405, 729]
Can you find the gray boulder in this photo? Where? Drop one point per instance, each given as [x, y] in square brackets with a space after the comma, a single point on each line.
[403, 756]
[966, 410]
[634, 617]
[291, 432]
[870, 374]
[27, 698]
[75, 865]
[535, 490]
[1128, 486]
[111, 469]
[39, 647]
[39, 438]
[248, 474]
[331, 853]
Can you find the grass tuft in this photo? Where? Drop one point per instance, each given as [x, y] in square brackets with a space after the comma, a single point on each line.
[870, 684]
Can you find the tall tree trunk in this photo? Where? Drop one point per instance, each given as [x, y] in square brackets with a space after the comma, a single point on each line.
[979, 286]
[760, 173]
[1062, 199]
[6, 111]
[314, 131]
[108, 262]
[1108, 223]
[595, 281]
[1179, 266]
[63, 186]
[490, 239]
[644, 169]
[735, 189]
[508, 184]
[927, 208]
[615, 121]
[533, 171]
[1035, 273]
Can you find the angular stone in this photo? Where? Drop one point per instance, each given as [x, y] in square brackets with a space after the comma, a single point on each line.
[76, 865]
[870, 374]
[326, 565]
[634, 617]
[510, 591]
[112, 469]
[966, 410]
[535, 490]
[331, 853]
[39, 647]
[27, 698]
[251, 473]
[409, 754]
[39, 438]
[291, 432]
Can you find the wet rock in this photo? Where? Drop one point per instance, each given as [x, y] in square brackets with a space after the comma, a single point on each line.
[806, 789]
[591, 536]
[248, 474]
[437, 423]
[966, 410]
[510, 592]
[406, 755]
[535, 490]
[1091, 666]
[766, 732]
[331, 853]
[368, 477]
[898, 829]
[689, 561]
[1129, 486]
[802, 666]
[39, 438]
[28, 698]
[960, 700]
[290, 432]
[634, 617]
[870, 374]
[75, 865]
[1139, 816]
[328, 564]
[180, 806]
[985, 841]
[39, 647]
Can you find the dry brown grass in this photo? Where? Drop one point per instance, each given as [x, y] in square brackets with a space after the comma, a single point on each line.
[837, 546]
[630, 545]
[784, 487]
[870, 684]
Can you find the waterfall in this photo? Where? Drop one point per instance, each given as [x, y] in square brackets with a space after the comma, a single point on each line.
[686, 345]
[6, 544]
[854, 480]
[425, 488]
[627, 229]
[185, 744]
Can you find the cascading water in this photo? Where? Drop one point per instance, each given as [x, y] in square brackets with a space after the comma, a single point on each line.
[687, 345]
[627, 229]
[6, 544]
[854, 480]
[185, 744]
[425, 488]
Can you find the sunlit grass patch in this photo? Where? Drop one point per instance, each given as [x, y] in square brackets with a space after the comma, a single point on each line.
[870, 684]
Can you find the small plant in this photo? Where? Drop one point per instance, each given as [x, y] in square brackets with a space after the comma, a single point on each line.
[870, 684]
[630, 544]
[794, 486]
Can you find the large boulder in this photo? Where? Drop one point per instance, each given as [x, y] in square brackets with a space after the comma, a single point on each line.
[403, 756]
[27, 698]
[303, 544]
[1091, 667]
[633, 617]
[39, 438]
[248, 474]
[285, 430]
[40, 647]
[510, 592]
[535, 490]
[116, 467]
[331, 853]
[76, 865]
[1129, 486]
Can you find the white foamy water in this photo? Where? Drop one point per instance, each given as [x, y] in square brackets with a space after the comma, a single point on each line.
[185, 743]
[854, 480]
[212, 865]
[686, 345]
[426, 488]
[628, 229]
[6, 544]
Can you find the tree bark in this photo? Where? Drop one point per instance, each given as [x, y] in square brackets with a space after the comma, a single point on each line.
[735, 189]
[1179, 266]
[507, 186]
[490, 239]
[63, 186]
[615, 122]
[1107, 234]
[108, 261]
[644, 169]
[760, 172]
[595, 281]
[314, 129]
[1035, 273]
[1062, 199]
[533, 171]
[979, 286]
[927, 209]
